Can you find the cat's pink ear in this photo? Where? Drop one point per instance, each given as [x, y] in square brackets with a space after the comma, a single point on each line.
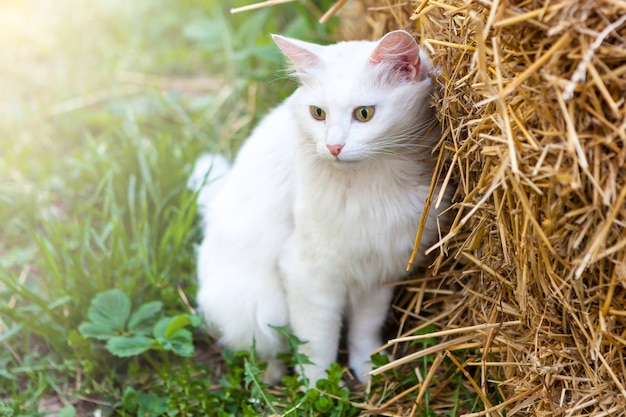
[399, 51]
[301, 54]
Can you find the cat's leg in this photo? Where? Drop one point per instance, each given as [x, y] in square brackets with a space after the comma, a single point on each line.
[315, 310]
[368, 311]
[315, 315]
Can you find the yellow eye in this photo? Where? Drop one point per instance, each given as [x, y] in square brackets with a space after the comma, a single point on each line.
[364, 113]
[317, 113]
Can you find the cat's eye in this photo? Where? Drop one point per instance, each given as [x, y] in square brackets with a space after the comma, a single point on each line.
[317, 113]
[364, 113]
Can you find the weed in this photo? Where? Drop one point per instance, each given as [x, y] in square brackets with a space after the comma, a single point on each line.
[129, 334]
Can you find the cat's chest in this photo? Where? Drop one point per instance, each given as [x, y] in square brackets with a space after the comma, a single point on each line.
[370, 217]
[360, 206]
[380, 194]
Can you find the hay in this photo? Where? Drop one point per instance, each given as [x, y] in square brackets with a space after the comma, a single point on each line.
[529, 291]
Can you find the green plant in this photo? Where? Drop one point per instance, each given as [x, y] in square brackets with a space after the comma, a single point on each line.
[133, 333]
[99, 133]
[142, 404]
[329, 397]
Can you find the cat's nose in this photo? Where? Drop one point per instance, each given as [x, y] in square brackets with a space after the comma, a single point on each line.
[334, 149]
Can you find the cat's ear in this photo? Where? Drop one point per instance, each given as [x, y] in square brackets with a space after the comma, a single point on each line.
[399, 51]
[302, 55]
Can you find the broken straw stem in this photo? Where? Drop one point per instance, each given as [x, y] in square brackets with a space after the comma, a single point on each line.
[455, 331]
[580, 72]
[331, 12]
[326, 17]
[258, 5]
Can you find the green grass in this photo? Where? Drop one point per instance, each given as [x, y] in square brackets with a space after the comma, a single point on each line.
[105, 107]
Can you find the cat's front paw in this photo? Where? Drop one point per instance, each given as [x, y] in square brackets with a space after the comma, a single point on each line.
[313, 373]
[274, 372]
[361, 368]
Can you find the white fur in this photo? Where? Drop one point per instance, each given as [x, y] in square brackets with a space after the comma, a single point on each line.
[208, 178]
[299, 237]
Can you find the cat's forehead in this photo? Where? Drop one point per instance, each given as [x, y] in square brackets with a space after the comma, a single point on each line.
[345, 54]
[346, 67]
[349, 49]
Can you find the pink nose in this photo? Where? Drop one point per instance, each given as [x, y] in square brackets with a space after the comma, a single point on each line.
[334, 149]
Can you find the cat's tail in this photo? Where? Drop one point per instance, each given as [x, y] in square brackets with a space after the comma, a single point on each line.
[207, 179]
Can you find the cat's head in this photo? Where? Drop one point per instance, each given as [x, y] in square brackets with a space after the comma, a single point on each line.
[361, 100]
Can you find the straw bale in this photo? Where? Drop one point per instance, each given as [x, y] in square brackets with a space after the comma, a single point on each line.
[528, 294]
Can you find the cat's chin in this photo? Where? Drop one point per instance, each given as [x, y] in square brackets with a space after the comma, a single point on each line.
[346, 164]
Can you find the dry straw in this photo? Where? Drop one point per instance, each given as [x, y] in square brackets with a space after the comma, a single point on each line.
[529, 293]
[525, 311]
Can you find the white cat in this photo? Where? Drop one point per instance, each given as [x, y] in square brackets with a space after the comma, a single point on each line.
[321, 206]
